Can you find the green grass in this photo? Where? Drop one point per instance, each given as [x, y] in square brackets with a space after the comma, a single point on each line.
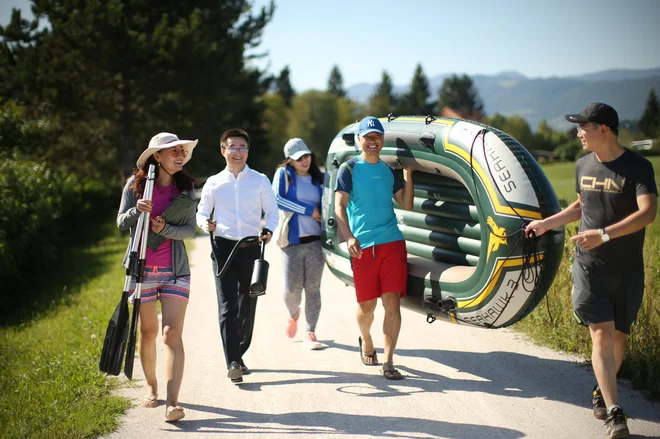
[49, 378]
[642, 362]
[50, 381]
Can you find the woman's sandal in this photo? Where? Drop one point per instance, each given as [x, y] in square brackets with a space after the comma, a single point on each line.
[373, 359]
[174, 413]
[150, 401]
[391, 373]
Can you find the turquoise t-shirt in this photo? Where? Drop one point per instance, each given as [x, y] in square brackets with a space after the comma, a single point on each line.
[370, 207]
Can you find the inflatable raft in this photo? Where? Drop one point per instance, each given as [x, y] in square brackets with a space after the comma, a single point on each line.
[476, 188]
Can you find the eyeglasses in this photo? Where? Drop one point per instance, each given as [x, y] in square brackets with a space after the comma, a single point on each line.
[306, 156]
[234, 150]
[583, 129]
[179, 152]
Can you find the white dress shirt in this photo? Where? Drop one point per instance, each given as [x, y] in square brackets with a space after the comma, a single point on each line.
[237, 204]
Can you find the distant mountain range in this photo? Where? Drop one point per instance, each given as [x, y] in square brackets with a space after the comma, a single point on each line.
[535, 99]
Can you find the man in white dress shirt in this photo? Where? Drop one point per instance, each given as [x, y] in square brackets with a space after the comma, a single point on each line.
[231, 206]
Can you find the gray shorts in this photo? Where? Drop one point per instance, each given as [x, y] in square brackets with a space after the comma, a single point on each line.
[599, 298]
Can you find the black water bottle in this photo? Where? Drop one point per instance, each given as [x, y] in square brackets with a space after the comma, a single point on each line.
[260, 271]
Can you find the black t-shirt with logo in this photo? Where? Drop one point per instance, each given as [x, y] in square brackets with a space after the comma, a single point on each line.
[609, 194]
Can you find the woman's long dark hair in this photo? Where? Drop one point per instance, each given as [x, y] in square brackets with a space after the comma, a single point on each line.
[182, 180]
[314, 171]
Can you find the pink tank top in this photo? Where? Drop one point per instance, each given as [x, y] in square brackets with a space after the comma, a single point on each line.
[162, 198]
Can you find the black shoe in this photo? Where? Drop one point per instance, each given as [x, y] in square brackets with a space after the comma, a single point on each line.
[235, 374]
[598, 403]
[245, 369]
[616, 423]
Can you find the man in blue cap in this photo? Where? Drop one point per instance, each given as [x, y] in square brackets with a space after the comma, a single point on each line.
[365, 216]
[616, 199]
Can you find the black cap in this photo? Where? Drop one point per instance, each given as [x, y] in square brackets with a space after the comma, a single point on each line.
[597, 112]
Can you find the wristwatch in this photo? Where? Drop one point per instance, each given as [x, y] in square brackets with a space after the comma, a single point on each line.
[603, 235]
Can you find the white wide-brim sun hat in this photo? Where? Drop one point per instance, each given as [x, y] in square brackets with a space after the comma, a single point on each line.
[163, 141]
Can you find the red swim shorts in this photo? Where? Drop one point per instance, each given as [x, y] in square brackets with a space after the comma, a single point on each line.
[381, 269]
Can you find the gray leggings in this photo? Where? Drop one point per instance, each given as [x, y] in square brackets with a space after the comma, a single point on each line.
[303, 268]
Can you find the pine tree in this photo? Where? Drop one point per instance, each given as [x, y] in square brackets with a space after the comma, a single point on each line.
[649, 123]
[284, 88]
[383, 101]
[114, 73]
[459, 93]
[415, 101]
[336, 83]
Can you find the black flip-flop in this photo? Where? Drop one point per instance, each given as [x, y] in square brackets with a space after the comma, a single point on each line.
[390, 373]
[370, 356]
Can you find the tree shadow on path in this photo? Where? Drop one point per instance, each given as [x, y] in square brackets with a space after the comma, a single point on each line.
[328, 423]
[497, 373]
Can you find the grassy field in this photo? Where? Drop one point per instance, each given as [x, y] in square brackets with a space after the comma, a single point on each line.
[49, 376]
[642, 363]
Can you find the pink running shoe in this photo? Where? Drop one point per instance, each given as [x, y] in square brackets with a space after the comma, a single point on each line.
[292, 326]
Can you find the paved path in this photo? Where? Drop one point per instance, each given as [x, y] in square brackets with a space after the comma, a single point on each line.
[461, 382]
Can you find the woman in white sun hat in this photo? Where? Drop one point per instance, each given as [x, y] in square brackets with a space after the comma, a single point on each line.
[167, 273]
[298, 186]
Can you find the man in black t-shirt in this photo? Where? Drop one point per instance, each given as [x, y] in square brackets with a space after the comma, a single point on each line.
[617, 199]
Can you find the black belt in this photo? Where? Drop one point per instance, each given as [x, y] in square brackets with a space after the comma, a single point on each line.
[232, 243]
[308, 239]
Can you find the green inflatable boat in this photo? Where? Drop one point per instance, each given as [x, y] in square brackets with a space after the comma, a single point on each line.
[476, 188]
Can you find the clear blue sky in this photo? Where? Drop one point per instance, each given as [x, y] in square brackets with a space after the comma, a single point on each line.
[536, 38]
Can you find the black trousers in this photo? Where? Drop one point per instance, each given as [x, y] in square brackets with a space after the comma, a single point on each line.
[236, 309]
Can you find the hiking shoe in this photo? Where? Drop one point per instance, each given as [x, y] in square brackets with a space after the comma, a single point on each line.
[598, 403]
[616, 423]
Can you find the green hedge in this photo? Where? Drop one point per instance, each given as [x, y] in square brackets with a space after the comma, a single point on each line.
[41, 210]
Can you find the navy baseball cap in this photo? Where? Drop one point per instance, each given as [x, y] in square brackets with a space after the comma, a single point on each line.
[368, 125]
[597, 112]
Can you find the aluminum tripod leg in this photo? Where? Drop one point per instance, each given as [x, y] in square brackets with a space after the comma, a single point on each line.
[142, 230]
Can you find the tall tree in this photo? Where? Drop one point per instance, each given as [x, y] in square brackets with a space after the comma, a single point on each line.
[275, 123]
[336, 83]
[314, 118]
[284, 88]
[518, 128]
[415, 100]
[347, 113]
[459, 93]
[497, 120]
[649, 123]
[113, 73]
[383, 101]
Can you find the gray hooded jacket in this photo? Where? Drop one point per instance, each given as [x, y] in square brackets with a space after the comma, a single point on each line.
[127, 219]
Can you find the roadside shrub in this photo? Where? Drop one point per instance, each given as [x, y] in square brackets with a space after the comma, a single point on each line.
[568, 151]
[40, 210]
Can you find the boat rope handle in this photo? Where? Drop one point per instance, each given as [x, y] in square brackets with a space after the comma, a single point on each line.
[530, 273]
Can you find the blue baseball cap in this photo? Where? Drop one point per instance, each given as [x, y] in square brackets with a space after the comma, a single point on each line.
[368, 125]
